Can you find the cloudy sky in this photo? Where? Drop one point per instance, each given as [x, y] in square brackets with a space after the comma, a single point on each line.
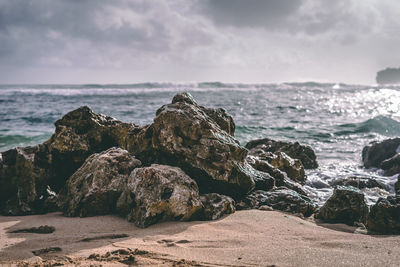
[252, 41]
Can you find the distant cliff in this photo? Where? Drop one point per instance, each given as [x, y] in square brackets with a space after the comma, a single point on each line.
[389, 75]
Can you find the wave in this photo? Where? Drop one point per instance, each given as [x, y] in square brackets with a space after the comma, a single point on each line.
[13, 140]
[380, 124]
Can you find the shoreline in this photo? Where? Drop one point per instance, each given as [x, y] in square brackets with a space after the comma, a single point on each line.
[245, 238]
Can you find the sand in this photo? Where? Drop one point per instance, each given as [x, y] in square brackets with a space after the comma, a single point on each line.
[245, 238]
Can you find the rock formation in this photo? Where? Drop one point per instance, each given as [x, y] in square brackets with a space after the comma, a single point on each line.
[294, 150]
[159, 193]
[384, 217]
[346, 205]
[280, 198]
[96, 186]
[216, 206]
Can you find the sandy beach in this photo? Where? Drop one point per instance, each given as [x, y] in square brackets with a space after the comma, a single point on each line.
[245, 238]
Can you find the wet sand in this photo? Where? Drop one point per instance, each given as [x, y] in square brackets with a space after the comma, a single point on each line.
[245, 238]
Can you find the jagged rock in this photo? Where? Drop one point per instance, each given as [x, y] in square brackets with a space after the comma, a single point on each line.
[358, 182]
[79, 134]
[346, 205]
[184, 135]
[384, 217]
[397, 186]
[23, 182]
[391, 166]
[376, 152]
[281, 178]
[279, 160]
[280, 198]
[216, 206]
[159, 193]
[95, 187]
[294, 150]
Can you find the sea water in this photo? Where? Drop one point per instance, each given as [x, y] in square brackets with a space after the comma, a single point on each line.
[336, 120]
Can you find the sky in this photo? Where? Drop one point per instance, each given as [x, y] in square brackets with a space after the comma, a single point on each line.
[247, 41]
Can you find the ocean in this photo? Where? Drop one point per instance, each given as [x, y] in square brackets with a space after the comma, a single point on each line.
[336, 120]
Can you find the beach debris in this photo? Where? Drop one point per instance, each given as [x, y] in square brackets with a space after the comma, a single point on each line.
[96, 186]
[216, 206]
[346, 205]
[46, 251]
[294, 150]
[384, 217]
[100, 237]
[280, 198]
[43, 229]
[159, 193]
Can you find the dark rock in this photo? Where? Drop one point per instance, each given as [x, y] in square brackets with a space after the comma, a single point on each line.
[216, 206]
[397, 186]
[159, 193]
[22, 182]
[101, 237]
[95, 187]
[79, 134]
[391, 166]
[292, 167]
[294, 150]
[280, 178]
[184, 135]
[358, 182]
[346, 205]
[375, 153]
[280, 198]
[384, 217]
[27, 175]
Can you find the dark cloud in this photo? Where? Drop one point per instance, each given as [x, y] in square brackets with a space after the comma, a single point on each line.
[251, 13]
[196, 40]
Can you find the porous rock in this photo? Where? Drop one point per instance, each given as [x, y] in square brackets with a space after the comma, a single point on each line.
[384, 217]
[159, 193]
[23, 182]
[294, 150]
[280, 178]
[280, 198]
[184, 135]
[216, 206]
[279, 160]
[346, 205]
[95, 187]
[376, 152]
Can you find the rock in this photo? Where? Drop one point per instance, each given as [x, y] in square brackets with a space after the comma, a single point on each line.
[358, 182]
[79, 134]
[27, 175]
[95, 187]
[384, 217]
[280, 198]
[375, 153]
[346, 205]
[159, 193]
[216, 206]
[281, 178]
[391, 166]
[294, 150]
[23, 182]
[184, 135]
[266, 208]
[292, 167]
[397, 186]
